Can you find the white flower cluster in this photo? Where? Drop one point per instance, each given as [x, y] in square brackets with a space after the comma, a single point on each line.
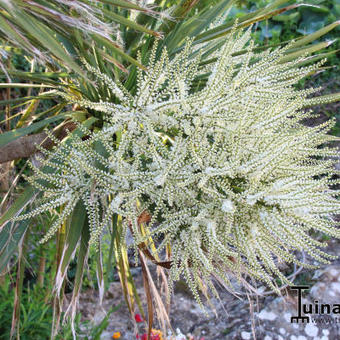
[232, 179]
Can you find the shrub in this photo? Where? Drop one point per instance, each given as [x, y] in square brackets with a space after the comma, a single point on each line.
[232, 179]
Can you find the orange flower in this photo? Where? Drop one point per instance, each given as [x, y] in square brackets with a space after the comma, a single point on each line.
[157, 334]
[116, 335]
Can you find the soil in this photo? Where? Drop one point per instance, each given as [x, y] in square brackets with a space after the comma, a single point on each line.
[233, 318]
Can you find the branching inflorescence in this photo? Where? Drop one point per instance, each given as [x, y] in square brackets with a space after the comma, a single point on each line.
[233, 180]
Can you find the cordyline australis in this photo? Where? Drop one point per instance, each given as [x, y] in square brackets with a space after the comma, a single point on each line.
[231, 178]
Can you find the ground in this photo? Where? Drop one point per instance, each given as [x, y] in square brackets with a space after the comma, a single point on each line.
[236, 318]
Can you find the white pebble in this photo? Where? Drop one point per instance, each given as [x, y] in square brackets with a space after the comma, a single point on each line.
[287, 316]
[245, 335]
[334, 272]
[336, 286]
[311, 330]
[264, 315]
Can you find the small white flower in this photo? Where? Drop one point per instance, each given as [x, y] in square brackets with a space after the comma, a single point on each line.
[302, 211]
[195, 225]
[116, 202]
[132, 125]
[209, 170]
[160, 179]
[252, 199]
[211, 226]
[228, 206]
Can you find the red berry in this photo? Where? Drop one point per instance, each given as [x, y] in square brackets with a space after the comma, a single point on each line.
[138, 318]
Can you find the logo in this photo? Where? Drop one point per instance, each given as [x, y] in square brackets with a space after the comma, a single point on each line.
[315, 308]
[299, 306]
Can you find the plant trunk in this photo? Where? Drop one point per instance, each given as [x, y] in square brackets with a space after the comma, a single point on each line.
[41, 269]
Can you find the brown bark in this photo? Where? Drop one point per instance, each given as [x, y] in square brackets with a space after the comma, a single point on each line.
[23, 147]
[26, 146]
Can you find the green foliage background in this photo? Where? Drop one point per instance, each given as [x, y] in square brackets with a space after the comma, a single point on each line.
[294, 24]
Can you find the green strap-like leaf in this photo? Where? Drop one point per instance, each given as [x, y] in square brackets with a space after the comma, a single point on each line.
[13, 33]
[23, 100]
[225, 29]
[115, 49]
[125, 4]
[23, 85]
[18, 205]
[12, 135]
[305, 51]
[76, 224]
[38, 77]
[315, 35]
[132, 24]
[10, 236]
[84, 244]
[46, 37]
[195, 25]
